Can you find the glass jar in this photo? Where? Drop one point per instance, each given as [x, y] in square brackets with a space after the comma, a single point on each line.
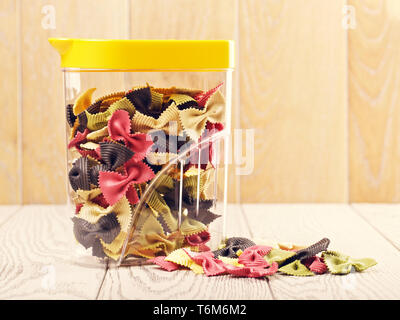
[148, 125]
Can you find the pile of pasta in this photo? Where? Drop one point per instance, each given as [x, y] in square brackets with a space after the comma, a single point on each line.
[121, 145]
[242, 257]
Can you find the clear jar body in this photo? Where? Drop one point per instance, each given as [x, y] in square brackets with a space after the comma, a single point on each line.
[147, 161]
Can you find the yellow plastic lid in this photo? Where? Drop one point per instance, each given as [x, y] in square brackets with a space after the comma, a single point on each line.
[145, 54]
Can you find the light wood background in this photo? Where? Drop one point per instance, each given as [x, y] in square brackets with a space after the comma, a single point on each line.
[323, 99]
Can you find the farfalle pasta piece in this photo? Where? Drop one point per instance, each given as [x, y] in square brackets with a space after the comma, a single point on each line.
[69, 115]
[80, 142]
[114, 249]
[149, 239]
[156, 202]
[164, 183]
[89, 145]
[74, 130]
[83, 121]
[168, 121]
[165, 226]
[339, 263]
[232, 245]
[97, 121]
[154, 243]
[93, 108]
[78, 139]
[252, 272]
[181, 257]
[100, 200]
[194, 120]
[167, 92]
[190, 226]
[79, 174]
[108, 100]
[88, 195]
[183, 101]
[310, 251]
[315, 264]
[198, 248]
[211, 129]
[290, 246]
[147, 222]
[203, 97]
[114, 154]
[90, 234]
[278, 255]
[231, 261]
[189, 192]
[204, 215]
[157, 100]
[119, 128]
[254, 256]
[296, 268]
[88, 153]
[115, 185]
[210, 265]
[198, 239]
[83, 101]
[146, 101]
[239, 252]
[190, 183]
[156, 168]
[105, 104]
[166, 265]
[92, 212]
[98, 135]
[94, 173]
[78, 207]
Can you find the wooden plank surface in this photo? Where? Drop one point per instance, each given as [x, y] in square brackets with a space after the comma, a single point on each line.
[374, 77]
[349, 234]
[385, 218]
[9, 174]
[43, 107]
[6, 212]
[39, 257]
[150, 282]
[293, 78]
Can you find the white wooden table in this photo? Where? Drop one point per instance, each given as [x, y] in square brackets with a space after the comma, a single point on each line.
[36, 246]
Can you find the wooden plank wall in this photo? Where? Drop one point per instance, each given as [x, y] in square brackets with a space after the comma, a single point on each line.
[293, 92]
[323, 99]
[9, 166]
[374, 102]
